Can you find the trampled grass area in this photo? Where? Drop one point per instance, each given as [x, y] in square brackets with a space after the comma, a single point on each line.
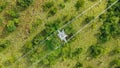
[37, 22]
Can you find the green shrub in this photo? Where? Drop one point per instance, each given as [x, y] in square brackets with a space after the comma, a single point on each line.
[70, 30]
[45, 61]
[52, 12]
[1, 22]
[77, 51]
[116, 51]
[92, 0]
[66, 52]
[4, 45]
[9, 61]
[115, 63]
[3, 6]
[11, 26]
[61, 5]
[27, 47]
[88, 19]
[13, 13]
[52, 26]
[37, 39]
[51, 43]
[78, 65]
[110, 28]
[36, 24]
[16, 21]
[24, 3]
[79, 4]
[95, 51]
[48, 5]
[66, 0]
[102, 17]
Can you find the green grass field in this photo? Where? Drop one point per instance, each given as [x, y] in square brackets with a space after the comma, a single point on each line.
[24, 26]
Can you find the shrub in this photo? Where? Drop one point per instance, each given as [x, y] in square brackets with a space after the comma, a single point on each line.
[78, 65]
[37, 39]
[45, 61]
[48, 5]
[70, 30]
[50, 28]
[16, 21]
[92, 0]
[52, 12]
[115, 51]
[13, 13]
[1, 22]
[4, 45]
[88, 19]
[66, 0]
[95, 51]
[11, 26]
[24, 3]
[66, 52]
[36, 24]
[3, 6]
[115, 63]
[9, 61]
[110, 27]
[51, 43]
[108, 30]
[102, 17]
[79, 4]
[27, 47]
[77, 52]
[61, 5]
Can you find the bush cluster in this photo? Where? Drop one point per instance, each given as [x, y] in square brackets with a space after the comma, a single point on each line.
[79, 4]
[110, 28]
[12, 24]
[96, 50]
[3, 6]
[24, 3]
[4, 45]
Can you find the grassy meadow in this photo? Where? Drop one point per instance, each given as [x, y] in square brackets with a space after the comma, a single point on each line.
[28, 30]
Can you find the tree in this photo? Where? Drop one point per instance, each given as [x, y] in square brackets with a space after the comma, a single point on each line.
[79, 4]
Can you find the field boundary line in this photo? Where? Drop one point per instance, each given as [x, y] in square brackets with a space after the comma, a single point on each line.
[77, 32]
